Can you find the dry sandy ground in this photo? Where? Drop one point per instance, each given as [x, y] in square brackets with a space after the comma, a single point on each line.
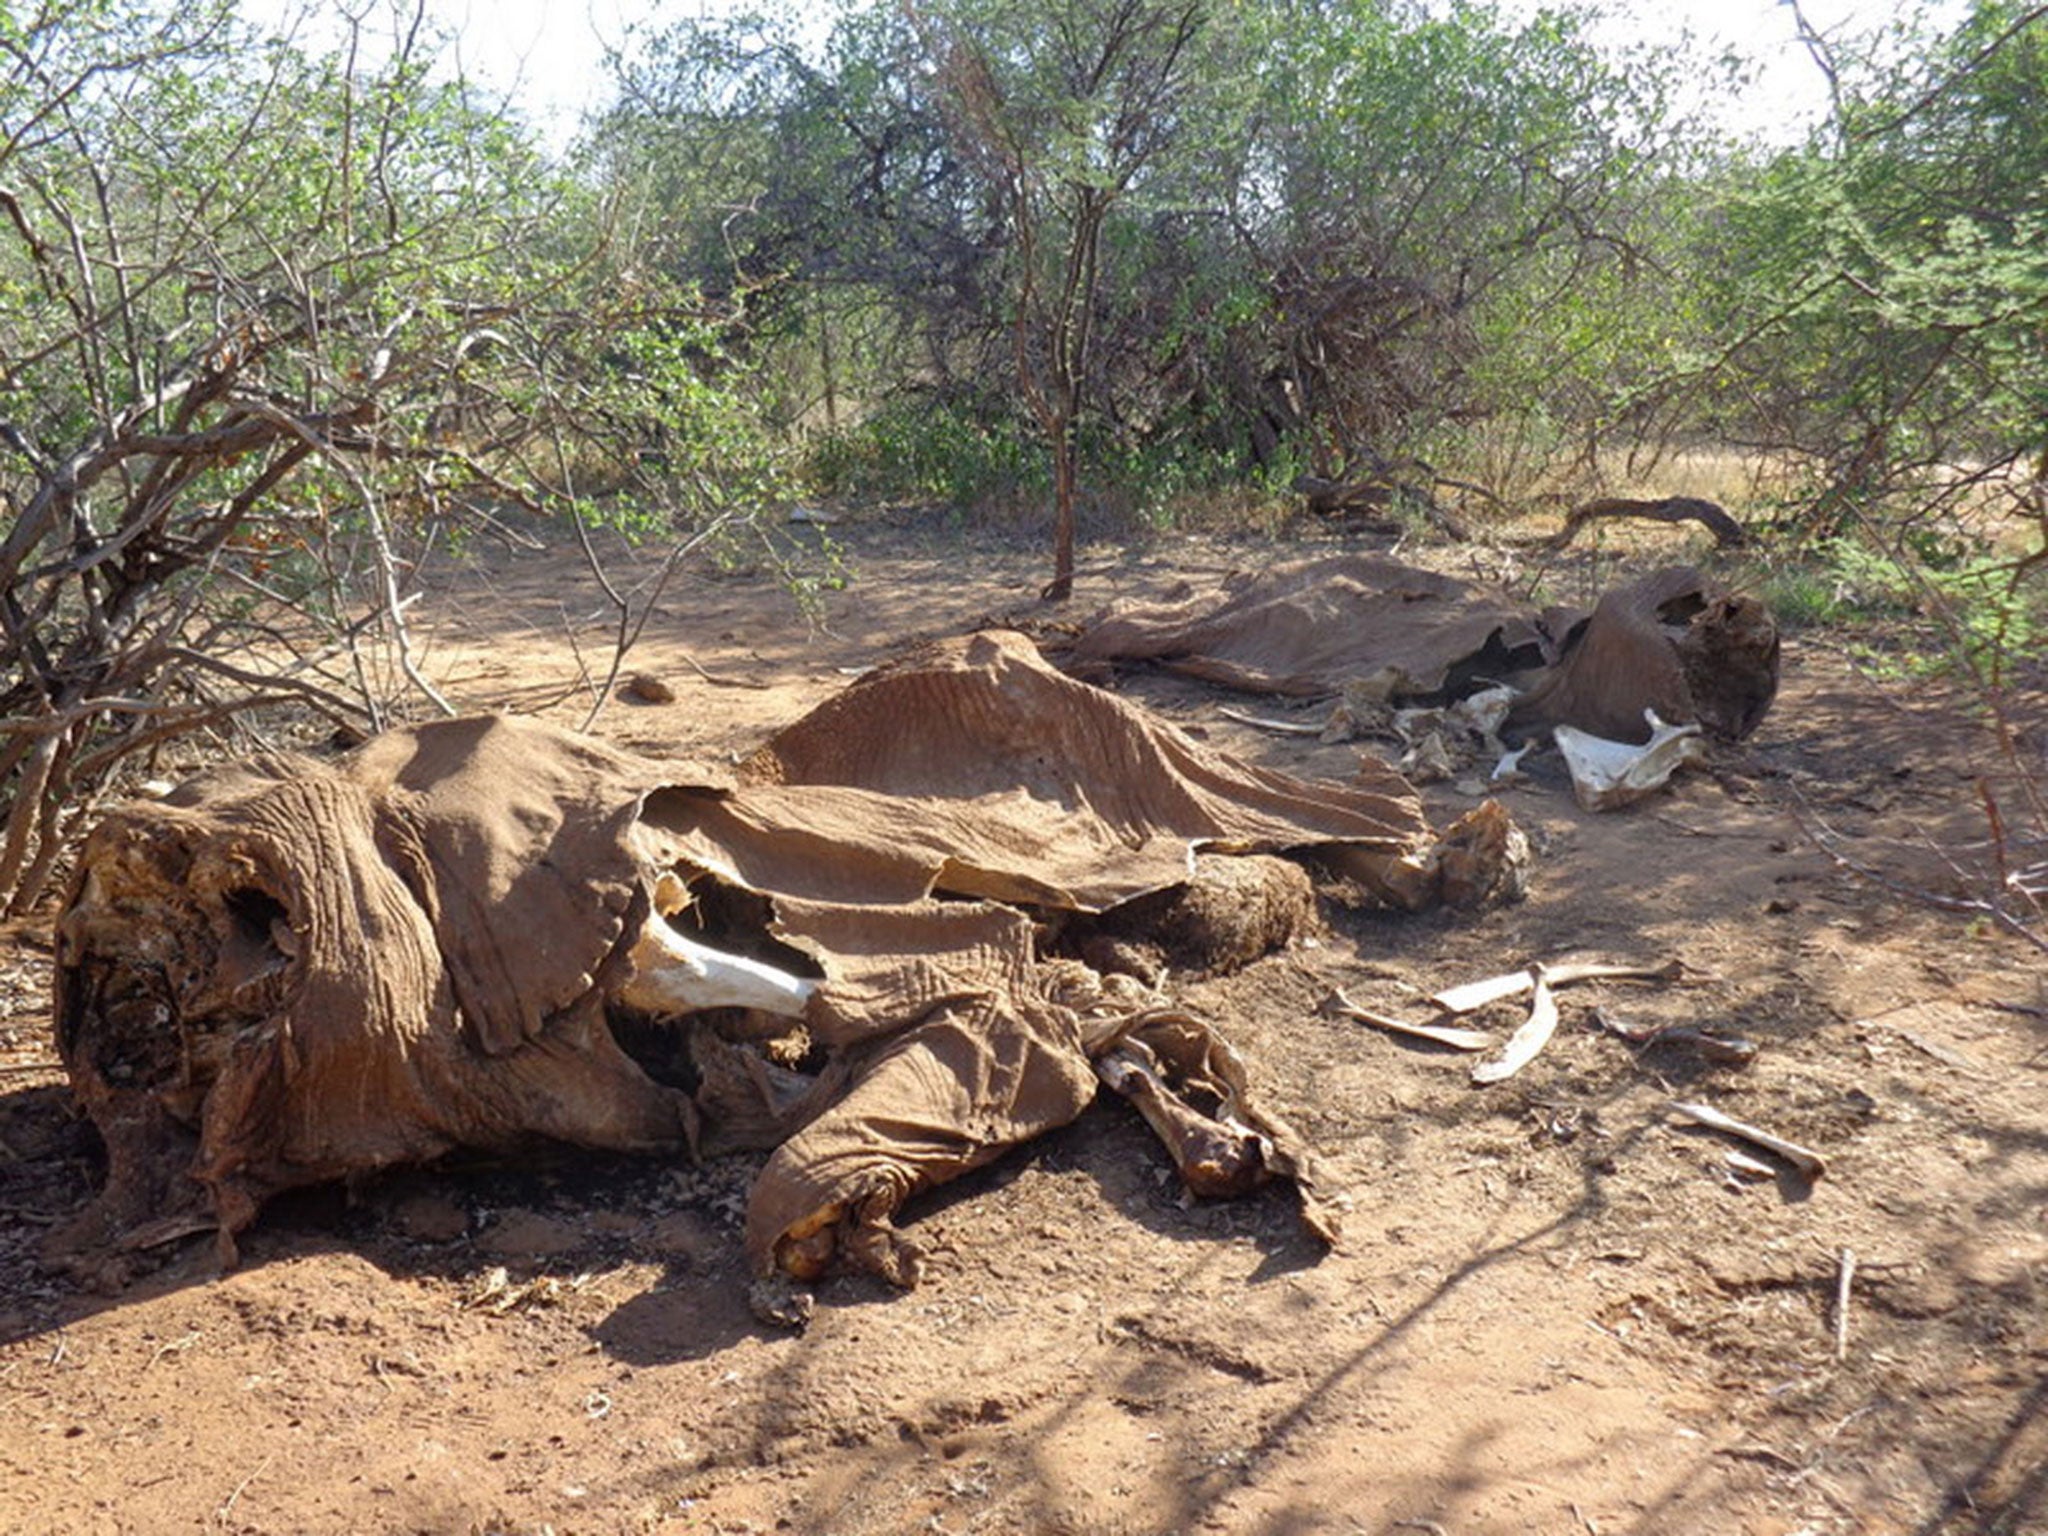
[1554, 1309]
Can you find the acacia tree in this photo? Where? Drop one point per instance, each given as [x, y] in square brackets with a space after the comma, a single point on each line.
[1452, 210]
[269, 324]
[1171, 242]
[1879, 294]
[1064, 109]
[1878, 312]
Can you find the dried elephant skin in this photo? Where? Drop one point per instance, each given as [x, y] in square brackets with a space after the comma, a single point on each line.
[1369, 627]
[1319, 626]
[290, 971]
[1675, 642]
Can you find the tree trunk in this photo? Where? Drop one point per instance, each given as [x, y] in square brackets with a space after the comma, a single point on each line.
[1061, 587]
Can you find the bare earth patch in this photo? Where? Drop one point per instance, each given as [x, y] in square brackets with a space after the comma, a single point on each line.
[1554, 1308]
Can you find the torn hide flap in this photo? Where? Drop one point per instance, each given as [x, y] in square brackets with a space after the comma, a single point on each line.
[927, 1103]
[522, 834]
[958, 1043]
[975, 769]
[1311, 628]
[1074, 786]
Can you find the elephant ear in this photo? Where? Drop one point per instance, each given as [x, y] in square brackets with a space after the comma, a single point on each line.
[513, 837]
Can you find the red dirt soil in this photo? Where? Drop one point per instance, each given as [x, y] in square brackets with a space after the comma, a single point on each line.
[1554, 1308]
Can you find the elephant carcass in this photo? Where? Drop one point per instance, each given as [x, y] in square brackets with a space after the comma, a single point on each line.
[488, 932]
[1369, 627]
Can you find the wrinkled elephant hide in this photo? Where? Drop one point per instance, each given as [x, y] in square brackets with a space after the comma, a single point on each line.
[1316, 627]
[292, 971]
[1675, 641]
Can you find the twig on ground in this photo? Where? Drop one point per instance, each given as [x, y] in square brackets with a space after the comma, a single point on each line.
[1763, 1453]
[1714, 832]
[1934, 1049]
[725, 682]
[1848, 1273]
[175, 1346]
[1821, 836]
[227, 1506]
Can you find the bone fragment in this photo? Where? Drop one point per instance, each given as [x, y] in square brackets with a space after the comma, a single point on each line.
[1804, 1159]
[1483, 712]
[675, 974]
[1428, 761]
[1525, 1042]
[1443, 1034]
[1746, 1167]
[1477, 994]
[1728, 1050]
[1607, 775]
[1284, 727]
[1218, 1155]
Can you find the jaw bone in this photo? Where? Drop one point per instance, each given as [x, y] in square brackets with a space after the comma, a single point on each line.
[674, 974]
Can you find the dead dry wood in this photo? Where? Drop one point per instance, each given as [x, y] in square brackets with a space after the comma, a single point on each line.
[1713, 517]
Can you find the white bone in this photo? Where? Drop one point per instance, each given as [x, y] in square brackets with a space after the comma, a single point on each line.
[674, 974]
[1609, 774]
[1483, 713]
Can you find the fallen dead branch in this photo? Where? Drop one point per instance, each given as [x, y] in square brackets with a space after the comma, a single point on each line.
[1804, 1159]
[1443, 1034]
[1823, 837]
[1711, 516]
[1524, 1044]
[1493, 989]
